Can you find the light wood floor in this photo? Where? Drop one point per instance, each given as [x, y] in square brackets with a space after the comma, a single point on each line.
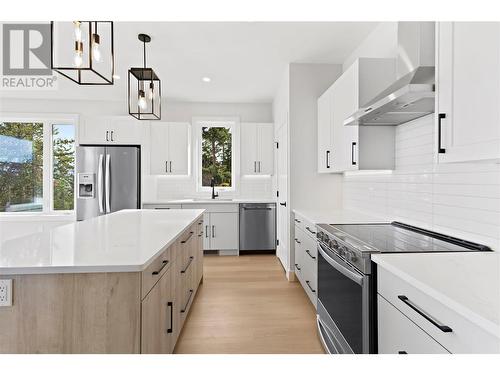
[246, 305]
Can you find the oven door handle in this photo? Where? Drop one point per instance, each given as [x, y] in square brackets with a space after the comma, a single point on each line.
[357, 278]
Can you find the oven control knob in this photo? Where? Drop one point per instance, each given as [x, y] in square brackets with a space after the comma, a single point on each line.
[342, 250]
[352, 256]
[334, 244]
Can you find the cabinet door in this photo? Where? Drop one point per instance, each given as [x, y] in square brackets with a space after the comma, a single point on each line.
[265, 149]
[125, 131]
[398, 334]
[224, 231]
[206, 232]
[468, 87]
[325, 131]
[248, 153]
[158, 317]
[178, 148]
[94, 130]
[158, 148]
[346, 102]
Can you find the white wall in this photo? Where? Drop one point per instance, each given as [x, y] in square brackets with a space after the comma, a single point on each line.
[461, 199]
[309, 189]
[381, 42]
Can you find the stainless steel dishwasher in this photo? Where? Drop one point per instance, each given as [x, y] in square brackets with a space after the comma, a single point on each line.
[257, 226]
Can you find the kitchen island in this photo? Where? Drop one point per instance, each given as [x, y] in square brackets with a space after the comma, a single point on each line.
[120, 283]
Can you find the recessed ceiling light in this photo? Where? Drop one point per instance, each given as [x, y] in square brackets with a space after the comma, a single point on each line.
[116, 76]
[206, 79]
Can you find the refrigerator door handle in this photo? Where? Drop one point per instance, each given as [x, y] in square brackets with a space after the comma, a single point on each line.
[100, 191]
[107, 183]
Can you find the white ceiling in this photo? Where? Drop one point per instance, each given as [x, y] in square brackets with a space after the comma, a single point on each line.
[245, 60]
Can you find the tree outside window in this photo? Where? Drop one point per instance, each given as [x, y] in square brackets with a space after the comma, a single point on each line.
[216, 156]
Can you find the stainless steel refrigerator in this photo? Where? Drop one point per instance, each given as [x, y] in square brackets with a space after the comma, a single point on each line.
[108, 179]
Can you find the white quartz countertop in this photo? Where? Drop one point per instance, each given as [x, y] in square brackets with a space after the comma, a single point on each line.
[124, 241]
[338, 217]
[208, 200]
[468, 283]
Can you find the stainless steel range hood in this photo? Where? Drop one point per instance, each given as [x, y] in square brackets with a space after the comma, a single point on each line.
[412, 95]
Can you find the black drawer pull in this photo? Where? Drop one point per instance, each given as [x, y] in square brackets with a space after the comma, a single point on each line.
[191, 291]
[309, 253]
[163, 265]
[310, 230]
[189, 237]
[442, 327]
[296, 240]
[353, 144]
[298, 221]
[327, 159]
[402, 352]
[283, 204]
[189, 264]
[309, 285]
[171, 305]
[297, 266]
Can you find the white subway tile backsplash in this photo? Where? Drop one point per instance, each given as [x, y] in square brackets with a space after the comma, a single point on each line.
[461, 199]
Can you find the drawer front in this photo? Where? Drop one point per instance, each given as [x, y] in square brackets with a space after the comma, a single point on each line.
[465, 336]
[399, 335]
[155, 270]
[308, 227]
[161, 206]
[212, 207]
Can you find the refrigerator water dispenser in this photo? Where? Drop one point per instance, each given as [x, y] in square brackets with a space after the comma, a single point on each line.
[86, 185]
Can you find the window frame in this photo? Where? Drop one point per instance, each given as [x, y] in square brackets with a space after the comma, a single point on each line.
[48, 120]
[230, 122]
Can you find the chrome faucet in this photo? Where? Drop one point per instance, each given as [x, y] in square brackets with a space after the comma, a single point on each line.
[212, 185]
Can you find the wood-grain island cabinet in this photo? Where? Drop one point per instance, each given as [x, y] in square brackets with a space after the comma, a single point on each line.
[117, 312]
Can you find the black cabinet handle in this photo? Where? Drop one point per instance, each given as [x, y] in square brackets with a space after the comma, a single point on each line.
[327, 159]
[163, 265]
[107, 135]
[353, 144]
[188, 238]
[309, 253]
[191, 291]
[171, 305]
[426, 316]
[441, 116]
[296, 240]
[402, 352]
[206, 231]
[283, 204]
[297, 266]
[189, 264]
[166, 166]
[310, 231]
[170, 168]
[112, 131]
[309, 285]
[298, 221]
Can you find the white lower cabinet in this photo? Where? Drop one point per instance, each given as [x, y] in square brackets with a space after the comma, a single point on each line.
[306, 257]
[399, 335]
[412, 307]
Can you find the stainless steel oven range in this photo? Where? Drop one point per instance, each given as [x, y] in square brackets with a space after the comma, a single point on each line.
[346, 312]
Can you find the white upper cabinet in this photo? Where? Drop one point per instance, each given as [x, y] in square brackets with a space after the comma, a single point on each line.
[325, 131]
[257, 148]
[169, 144]
[343, 148]
[468, 87]
[119, 130]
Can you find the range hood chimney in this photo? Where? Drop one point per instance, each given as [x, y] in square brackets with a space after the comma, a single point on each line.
[412, 95]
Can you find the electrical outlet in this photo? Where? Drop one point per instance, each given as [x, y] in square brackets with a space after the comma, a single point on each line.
[5, 292]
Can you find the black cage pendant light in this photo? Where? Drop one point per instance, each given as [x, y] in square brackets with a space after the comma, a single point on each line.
[144, 90]
[83, 51]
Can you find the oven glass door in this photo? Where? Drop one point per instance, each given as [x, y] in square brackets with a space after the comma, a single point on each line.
[340, 290]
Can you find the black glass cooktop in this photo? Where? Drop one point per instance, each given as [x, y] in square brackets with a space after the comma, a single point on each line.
[399, 238]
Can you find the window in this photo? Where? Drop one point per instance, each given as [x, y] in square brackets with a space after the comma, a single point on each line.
[21, 166]
[37, 161]
[63, 167]
[216, 159]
